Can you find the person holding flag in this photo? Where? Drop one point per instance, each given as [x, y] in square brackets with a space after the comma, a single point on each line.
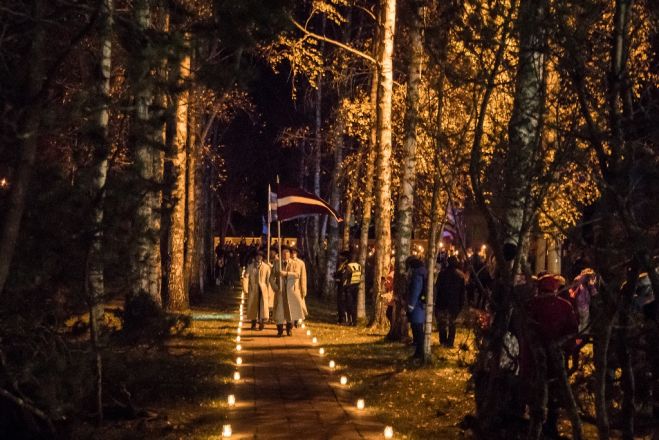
[289, 304]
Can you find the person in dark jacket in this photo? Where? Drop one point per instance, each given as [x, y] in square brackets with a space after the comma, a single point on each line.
[449, 297]
[416, 301]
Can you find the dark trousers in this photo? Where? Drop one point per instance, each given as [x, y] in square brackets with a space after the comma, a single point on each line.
[341, 304]
[446, 325]
[351, 304]
[418, 337]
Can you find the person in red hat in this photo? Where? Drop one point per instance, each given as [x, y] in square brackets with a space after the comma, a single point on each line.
[553, 320]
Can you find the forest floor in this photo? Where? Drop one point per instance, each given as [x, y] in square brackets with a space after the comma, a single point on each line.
[180, 389]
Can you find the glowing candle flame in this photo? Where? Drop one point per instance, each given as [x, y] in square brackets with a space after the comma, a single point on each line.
[239, 330]
[360, 404]
[388, 432]
[321, 351]
[308, 332]
[226, 431]
[236, 376]
[239, 360]
[239, 347]
[332, 364]
[314, 340]
[237, 338]
[344, 380]
[231, 400]
[302, 325]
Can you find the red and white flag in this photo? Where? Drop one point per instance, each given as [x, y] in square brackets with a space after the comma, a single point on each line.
[295, 203]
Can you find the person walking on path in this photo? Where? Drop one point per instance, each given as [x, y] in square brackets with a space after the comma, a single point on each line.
[416, 301]
[301, 270]
[289, 305]
[449, 297]
[258, 291]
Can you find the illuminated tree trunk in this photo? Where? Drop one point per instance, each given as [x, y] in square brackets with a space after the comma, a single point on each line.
[384, 147]
[405, 208]
[191, 257]
[367, 204]
[347, 214]
[177, 295]
[335, 197]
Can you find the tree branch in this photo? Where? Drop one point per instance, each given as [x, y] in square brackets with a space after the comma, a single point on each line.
[336, 43]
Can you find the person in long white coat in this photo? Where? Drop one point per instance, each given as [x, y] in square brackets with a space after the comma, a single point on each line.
[289, 304]
[301, 270]
[258, 291]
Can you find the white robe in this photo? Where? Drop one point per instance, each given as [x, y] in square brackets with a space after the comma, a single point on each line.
[259, 291]
[289, 302]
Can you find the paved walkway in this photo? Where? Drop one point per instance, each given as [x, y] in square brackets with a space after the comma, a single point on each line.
[287, 391]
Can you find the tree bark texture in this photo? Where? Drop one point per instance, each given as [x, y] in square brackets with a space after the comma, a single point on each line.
[191, 204]
[384, 149]
[143, 235]
[525, 126]
[177, 295]
[405, 208]
[367, 205]
[329, 289]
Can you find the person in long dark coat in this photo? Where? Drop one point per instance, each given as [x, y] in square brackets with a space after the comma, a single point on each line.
[449, 297]
[416, 301]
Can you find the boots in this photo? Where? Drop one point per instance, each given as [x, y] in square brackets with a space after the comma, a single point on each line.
[289, 328]
[280, 330]
[253, 327]
[261, 325]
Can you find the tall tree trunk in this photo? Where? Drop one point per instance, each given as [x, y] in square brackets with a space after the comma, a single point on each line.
[525, 126]
[177, 295]
[142, 137]
[405, 208]
[335, 197]
[384, 148]
[347, 214]
[191, 205]
[313, 239]
[367, 204]
[28, 139]
[94, 267]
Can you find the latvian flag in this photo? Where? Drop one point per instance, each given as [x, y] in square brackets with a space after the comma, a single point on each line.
[295, 202]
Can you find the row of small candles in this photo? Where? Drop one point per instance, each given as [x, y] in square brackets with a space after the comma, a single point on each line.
[343, 380]
[231, 398]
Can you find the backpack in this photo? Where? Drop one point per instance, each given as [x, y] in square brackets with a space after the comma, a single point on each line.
[355, 274]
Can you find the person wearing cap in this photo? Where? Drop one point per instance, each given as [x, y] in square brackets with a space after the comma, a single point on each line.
[449, 298]
[552, 320]
[289, 306]
[258, 290]
[416, 301]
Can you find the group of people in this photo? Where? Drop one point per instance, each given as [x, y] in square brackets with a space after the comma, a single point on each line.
[276, 291]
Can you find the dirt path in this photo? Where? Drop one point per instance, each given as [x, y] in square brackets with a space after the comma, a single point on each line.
[288, 391]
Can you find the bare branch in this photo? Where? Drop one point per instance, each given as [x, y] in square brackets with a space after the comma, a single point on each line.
[336, 43]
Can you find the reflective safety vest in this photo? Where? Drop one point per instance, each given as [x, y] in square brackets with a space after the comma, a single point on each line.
[355, 274]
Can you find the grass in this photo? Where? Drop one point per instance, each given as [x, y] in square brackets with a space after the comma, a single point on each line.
[419, 402]
[179, 388]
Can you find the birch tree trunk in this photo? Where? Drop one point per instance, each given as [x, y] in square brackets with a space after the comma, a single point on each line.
[94, 267]
[384, 148]
[525, 126]
[335, 197]
[347, 214]
[177, 295]
[28, 141]
[143, 235]
[368, 197]
[405, 208]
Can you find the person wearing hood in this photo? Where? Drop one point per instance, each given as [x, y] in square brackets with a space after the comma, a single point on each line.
[416, 301]
[449, 298]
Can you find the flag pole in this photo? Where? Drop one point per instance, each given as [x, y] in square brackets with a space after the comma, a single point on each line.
[269, 221]
[281, 288]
